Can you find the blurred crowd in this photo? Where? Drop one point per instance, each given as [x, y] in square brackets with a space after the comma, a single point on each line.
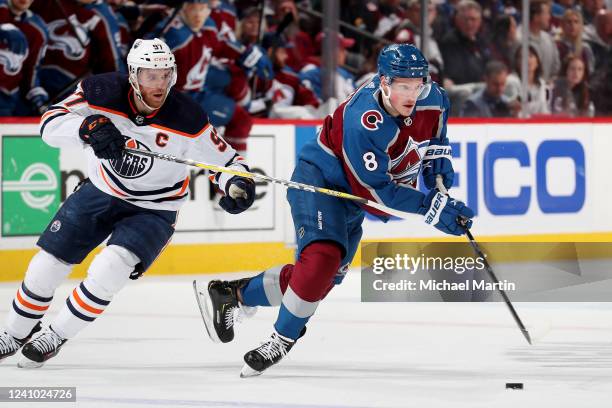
[249, 58]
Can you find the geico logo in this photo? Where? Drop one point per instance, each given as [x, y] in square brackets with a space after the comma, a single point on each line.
[512, 176]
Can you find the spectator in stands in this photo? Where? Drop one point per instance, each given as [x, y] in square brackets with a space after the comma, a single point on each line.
[600, 39]
[557, 10]
[570, 95]
[409, 31]
[571, 41]
[443, 23]
[465, 54]
[310, 75]
[590, 9]
[68, 57]
[23, 37]
[504, 41]
[539, 24]
[538, 91]
[490, 102]
[601, 82]
[383, 15]
[559, 7]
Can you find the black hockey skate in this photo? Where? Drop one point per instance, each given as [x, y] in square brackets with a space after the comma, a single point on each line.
[220, 308]
[40, 349]
[269, 353]
[9, 345]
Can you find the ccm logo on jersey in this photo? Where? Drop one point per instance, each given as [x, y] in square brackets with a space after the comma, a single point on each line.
[370, 119]
[132, 166]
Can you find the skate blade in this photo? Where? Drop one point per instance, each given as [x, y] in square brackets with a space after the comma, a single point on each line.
[247, 372]
[205, 305]
[25, 362]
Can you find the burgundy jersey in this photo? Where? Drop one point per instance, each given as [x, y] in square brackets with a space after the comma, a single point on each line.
[72, 56]
[194, 52]
[22, 73]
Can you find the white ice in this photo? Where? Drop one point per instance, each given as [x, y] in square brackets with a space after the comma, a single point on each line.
[150, 349]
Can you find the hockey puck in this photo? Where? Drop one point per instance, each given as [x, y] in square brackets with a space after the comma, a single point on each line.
[514, 386]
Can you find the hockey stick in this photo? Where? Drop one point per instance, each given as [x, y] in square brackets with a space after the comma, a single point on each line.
[488, 268]
[262, 177]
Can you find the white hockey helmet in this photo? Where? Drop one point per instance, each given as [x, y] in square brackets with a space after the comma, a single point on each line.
[152, 54]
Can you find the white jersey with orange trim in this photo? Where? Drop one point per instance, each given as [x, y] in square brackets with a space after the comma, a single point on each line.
[179, 128]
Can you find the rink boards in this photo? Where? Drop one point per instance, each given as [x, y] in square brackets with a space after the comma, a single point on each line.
[536, 180]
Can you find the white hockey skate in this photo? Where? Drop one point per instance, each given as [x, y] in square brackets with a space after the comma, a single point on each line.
[220, 308]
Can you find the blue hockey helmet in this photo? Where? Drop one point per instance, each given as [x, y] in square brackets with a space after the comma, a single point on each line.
[402, 61]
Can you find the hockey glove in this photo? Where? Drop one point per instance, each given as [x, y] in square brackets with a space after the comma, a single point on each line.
[104, 138]
[446, 214]
[437, 160]
[14, 39]
[239, 195]
[255, 59]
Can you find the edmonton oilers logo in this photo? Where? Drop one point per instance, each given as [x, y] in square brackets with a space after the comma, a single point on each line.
[132, 166]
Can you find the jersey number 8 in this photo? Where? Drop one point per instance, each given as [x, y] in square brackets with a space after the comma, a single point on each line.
[370, 161]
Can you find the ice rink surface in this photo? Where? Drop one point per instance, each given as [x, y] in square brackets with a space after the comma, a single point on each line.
[150, 349]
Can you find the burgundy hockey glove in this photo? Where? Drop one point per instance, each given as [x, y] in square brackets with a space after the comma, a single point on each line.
[104, 138]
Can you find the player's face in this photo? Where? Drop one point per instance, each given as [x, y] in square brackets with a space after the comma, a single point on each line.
[153, 85]
[21, 5]
[279, 57]
[195, 14]
[404, 94]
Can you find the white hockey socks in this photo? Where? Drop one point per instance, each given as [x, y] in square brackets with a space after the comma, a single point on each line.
[107, 274]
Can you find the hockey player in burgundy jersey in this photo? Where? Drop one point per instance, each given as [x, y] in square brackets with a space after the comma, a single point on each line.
[207, 69]
[282, 95]
[68, 56]
[25, 35]
[374, 145]
[133, 199]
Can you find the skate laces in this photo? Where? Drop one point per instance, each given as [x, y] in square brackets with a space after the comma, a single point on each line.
[8, 343]
[47, 341]
[237, 314]
[276, 346]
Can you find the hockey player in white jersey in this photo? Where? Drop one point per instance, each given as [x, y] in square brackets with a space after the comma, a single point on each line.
[133, 199]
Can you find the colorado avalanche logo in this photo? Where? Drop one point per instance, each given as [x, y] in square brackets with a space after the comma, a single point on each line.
[11, 62]
[405, 168]
[62, 39]
[370, 119]
[132, 166]
[197, 74]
